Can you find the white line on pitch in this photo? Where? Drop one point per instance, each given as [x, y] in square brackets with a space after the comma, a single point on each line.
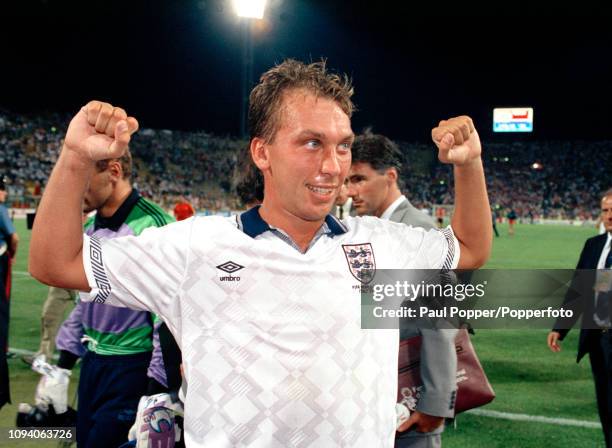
[534, 418]
[21, 351]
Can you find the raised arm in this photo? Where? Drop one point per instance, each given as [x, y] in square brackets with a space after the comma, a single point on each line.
[458, 143]
[98, 132]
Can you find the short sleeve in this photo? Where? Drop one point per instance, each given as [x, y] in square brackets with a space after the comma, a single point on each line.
[450, 258]
[139, 272]
[417, 248]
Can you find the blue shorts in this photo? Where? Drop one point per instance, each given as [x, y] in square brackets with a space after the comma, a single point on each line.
[110, 387]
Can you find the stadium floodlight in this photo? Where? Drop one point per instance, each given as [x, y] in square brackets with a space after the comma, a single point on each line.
[248, 10]
[253, 9]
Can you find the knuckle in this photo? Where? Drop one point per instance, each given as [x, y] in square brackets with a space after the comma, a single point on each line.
[106, 112]
[120, 113]
[94, 104]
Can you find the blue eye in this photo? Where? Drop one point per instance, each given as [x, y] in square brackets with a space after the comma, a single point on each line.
[312, 144]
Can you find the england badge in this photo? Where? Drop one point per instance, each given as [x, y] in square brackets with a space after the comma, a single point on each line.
[360, 258]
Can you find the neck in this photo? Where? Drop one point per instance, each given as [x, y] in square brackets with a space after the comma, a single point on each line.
[120, 194]
[300, 230]
[394, 193]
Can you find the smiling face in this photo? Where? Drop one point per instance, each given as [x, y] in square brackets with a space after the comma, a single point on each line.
[306, 162]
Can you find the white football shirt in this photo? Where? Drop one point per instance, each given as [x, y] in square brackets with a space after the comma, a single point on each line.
[273, 352]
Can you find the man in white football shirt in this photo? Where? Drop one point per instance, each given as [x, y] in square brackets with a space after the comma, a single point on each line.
[266, 305]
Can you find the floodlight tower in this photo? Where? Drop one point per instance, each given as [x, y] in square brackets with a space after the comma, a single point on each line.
[248, 10]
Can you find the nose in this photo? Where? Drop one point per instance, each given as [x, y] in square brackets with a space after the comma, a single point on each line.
[352, 189]
[330, 164]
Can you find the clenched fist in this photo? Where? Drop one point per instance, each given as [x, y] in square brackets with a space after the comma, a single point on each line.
[457, 141]
[100, 131]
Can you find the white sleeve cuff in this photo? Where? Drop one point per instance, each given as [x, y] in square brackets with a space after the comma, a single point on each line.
[453, 252]
[94, 270]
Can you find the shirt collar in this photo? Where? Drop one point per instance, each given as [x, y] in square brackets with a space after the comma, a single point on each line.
[118, 218]
[604, 253]
[394, 205]
[251, 223]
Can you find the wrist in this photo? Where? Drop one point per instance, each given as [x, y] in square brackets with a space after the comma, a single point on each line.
[475, 163]
[75, 158]
[67, 360]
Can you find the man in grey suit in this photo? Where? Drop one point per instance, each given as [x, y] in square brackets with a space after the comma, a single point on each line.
[374, 186]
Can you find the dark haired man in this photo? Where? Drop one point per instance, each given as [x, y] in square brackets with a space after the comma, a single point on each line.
[265, 305]
[374, 182]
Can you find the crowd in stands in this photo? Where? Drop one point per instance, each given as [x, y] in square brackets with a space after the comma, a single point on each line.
[558, 180]
[168, 165]
[196, 166]
[554, 180]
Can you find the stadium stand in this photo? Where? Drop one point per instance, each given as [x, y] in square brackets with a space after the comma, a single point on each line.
[537, 179]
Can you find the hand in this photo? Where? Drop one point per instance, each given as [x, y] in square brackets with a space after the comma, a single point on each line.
[100, 131]
[52, 389]
[421, 422]
[457, 141]
[155, 421]
[553, 341]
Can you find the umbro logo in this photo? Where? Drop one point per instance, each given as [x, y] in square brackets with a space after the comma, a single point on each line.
[230, 267]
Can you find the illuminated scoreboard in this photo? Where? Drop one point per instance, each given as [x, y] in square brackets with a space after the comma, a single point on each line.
[513, 119]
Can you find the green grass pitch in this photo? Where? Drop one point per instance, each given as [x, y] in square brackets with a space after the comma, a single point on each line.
[526, 376]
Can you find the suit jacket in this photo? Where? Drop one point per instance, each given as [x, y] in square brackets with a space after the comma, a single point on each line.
[438, 355]
[580, 297]
[409, 214]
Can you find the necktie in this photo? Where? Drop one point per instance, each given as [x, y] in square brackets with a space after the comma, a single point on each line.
[602, 307]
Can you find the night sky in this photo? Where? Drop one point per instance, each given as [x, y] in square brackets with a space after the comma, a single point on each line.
[177, 64]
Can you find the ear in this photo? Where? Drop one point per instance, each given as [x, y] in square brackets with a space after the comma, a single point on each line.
[391, 174]
[115, 170]
[260, 153]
